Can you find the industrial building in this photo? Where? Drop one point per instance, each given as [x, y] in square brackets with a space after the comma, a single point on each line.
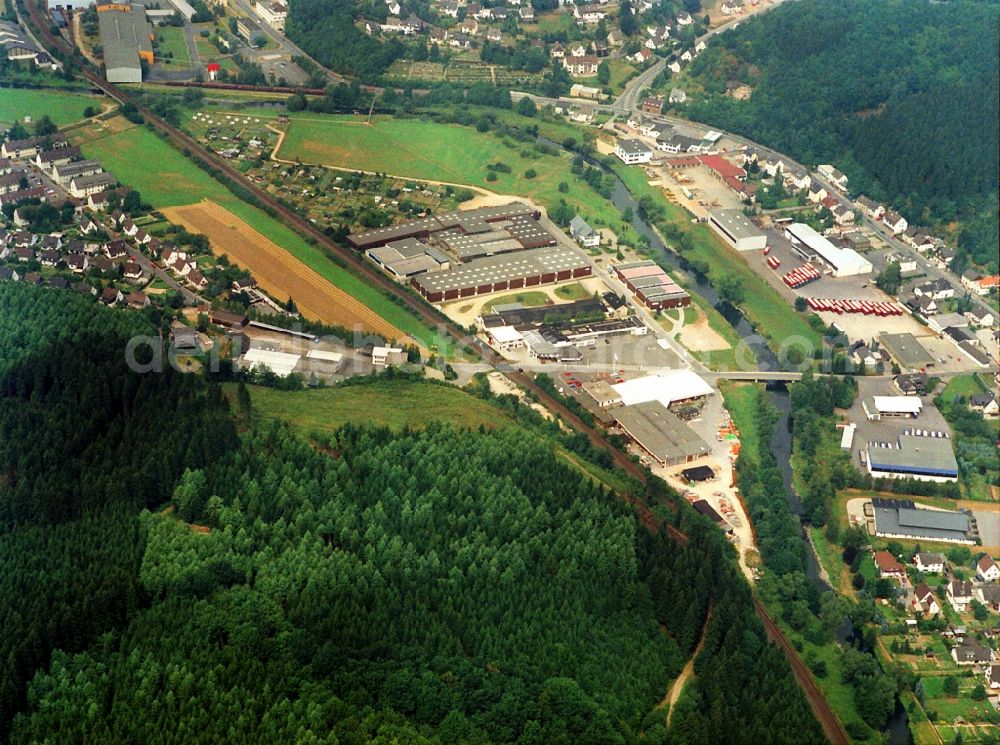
[737, 230]
[461, 222]
[925, 457]
[673, 387]
[880, 407]
[901, 518]
[408, 257]
[709, 511]
[127, 41]
[280, 363]
[667, 439]
[528, 268]
[906, 351]
[603, 393]
[652, 285]
[845, 262]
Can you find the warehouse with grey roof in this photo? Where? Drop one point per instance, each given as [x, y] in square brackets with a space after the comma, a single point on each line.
[900, 518]
[661, 433]
[127, 41]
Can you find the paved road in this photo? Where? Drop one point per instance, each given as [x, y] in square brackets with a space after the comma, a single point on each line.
[629, 98]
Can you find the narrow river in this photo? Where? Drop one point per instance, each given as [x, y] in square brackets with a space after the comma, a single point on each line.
[781, 440]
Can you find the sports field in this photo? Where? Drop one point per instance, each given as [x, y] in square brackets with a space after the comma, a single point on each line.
[127, 151]
[278, 272]
[386, 403]
[432, 151]
[62, 107]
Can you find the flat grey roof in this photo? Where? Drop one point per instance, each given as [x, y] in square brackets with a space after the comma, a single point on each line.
[906, 349]
[660, 431]
[735, 223]
[124, 35]
[897, 517]
[915, 454]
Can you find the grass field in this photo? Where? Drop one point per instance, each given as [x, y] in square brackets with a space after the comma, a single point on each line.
[965, 386]
[574, 291]
[177, 181]
[718, 359]
[62, 107]
[773, 317]
[170, 39]
[529, 299]
[431, 151]
[389, 403]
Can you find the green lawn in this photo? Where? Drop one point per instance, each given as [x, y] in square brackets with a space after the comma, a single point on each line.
[177, 181]
[575, 291]
[62, 107]
[772, 315]
[529, 299]
[170, 39]
[829, 557]
[388, 403]
[964, 385]
[432, 151]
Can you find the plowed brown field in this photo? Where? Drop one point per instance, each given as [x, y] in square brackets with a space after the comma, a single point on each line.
[277, 271]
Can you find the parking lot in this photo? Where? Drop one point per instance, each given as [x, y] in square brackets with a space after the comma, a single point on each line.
[887, 430]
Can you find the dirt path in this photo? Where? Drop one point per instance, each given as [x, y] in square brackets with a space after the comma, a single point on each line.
[674, 694]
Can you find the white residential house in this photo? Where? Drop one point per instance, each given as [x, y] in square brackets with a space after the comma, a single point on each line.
[993, 677]
[959, 594]
[987, 569]
[817, 192]
[584, 234]
[684, 19]
[834, 176]
[632, 152]
[895, 222]
[924, 600]
[929, 563]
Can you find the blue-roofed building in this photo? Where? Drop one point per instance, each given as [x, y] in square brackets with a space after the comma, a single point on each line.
[926, 457]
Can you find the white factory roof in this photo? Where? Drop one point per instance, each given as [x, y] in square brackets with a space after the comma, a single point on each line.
[847, 437]
[319, 354]
[505, 334]
[280, 363]
[843, 260]
[898, 404]
[677, 385]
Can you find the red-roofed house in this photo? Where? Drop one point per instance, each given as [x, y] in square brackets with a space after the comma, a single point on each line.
[987, 569]
[213, 70]
[888, 567]
[924, 600]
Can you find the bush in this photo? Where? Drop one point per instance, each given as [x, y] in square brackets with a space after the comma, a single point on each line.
[857, 730]
[491, 176]
[530, 173]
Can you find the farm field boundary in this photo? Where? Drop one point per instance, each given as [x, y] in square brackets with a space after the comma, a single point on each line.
[277, 271]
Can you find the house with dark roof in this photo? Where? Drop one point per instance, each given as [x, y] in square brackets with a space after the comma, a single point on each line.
[971, 652]
[924, 600]
[959, 594]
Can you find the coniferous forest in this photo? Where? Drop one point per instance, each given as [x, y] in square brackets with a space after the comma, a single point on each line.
[902, 97]
[172, 570]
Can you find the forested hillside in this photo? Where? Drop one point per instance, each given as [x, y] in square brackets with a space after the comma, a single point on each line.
[326, 30]
[902, 97]
[438, 586]
[84, 444]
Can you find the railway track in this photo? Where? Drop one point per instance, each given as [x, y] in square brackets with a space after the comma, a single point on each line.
[433, 318]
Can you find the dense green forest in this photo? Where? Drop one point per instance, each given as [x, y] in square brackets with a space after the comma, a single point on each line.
[325, 30]
[84, 444]
[902, 97]
[437, 586]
